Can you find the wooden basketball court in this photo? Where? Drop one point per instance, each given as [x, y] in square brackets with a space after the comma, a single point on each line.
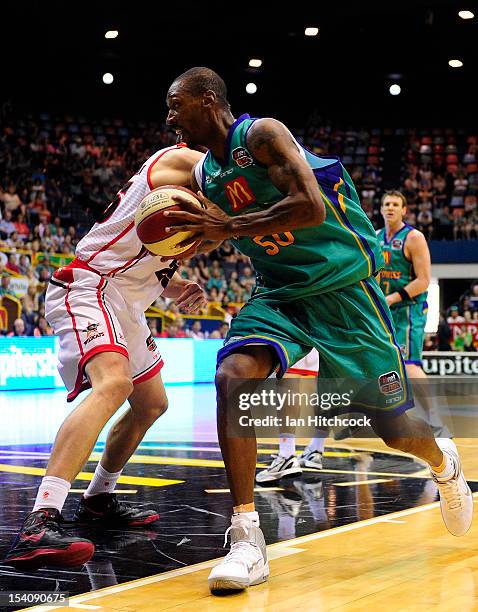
[404, 561]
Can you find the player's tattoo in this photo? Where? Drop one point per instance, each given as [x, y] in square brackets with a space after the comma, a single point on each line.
[263, 142]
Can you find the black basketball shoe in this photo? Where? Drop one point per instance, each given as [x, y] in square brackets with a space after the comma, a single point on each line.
[105, 508]
[43, 541]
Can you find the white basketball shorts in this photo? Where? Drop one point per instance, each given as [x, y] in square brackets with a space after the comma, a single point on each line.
[90, 316]
[307, 366]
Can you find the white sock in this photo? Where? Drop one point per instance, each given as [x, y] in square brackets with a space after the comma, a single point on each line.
[52, 493]
[252, 516]
[448, 471]
[317, 444]
[287, 445]
[102, 482]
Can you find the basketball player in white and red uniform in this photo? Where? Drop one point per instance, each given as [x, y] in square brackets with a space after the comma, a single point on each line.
[285, 463]
[96, 306]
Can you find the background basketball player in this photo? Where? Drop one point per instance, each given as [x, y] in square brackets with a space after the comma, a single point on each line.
[404, 280]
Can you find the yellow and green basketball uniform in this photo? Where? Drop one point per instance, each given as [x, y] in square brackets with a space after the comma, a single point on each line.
[409, 316]
[315, 285]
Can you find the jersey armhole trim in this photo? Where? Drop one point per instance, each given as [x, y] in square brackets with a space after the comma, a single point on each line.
[163, 152]
[403, 246]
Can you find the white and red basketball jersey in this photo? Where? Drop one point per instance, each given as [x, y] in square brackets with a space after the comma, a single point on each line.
[113, 249]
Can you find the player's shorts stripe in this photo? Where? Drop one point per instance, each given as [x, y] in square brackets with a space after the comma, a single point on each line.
[302, 372]
[149, 372]
[73, 320]
[103, 310]
[107, 308]
[257, 339]
[388, 327]
[409, 332]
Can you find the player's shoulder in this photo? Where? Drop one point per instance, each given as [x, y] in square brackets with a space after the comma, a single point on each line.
[414, 234]
[178, 157]
[266, 125]
[415, 238]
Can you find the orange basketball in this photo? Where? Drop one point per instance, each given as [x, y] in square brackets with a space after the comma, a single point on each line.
[151, 223]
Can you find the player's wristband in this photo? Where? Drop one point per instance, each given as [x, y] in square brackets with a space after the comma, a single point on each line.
[403, 294]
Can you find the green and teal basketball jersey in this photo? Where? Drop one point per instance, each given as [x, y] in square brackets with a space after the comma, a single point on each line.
[299, 262]
[398, 270]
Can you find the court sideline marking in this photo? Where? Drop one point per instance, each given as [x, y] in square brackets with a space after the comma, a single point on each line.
[289, 547]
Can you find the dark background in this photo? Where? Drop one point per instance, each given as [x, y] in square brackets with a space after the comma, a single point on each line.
[54, 55]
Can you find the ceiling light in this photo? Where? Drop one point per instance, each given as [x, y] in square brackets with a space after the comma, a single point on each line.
[251, 88]
[466, 14]
[255, 63]
[455, 63]
[311, 31]
[111, 34]
[108, 78]
[395, 89]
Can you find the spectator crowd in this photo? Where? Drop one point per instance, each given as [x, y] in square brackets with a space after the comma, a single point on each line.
[56, 174]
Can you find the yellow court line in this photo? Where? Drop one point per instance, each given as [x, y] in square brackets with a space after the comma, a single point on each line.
[150, 459]
[260, 451]
[161, 482]
[256, 490]
[421, 474]
[192, 569]
[357, 483]
[119, 491]
[155, 460]
[130, 480]
[270, 451]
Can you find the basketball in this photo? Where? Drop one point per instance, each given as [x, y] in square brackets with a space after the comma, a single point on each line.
[151, 223]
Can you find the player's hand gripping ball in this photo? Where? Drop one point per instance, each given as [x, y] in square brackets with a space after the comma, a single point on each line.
[151, 223]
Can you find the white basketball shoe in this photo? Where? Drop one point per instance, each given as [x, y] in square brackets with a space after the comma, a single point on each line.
[246, 563]
[311, 459]
[456, 500]
[280, 467]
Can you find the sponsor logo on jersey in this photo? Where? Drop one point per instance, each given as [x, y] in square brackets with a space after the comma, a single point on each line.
[239, 193]
[397, 244]
[226, 172]
[242, 157]
[389, 383]
[92, 333]
[393, 274]
[151, 344]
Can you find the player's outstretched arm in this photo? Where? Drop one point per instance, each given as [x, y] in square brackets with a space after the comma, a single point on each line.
[416, 249]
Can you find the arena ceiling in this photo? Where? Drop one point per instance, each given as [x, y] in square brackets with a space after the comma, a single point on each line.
[54, 54]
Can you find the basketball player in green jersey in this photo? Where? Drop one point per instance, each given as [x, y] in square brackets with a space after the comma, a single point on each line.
[299, 219]
[404, 280]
